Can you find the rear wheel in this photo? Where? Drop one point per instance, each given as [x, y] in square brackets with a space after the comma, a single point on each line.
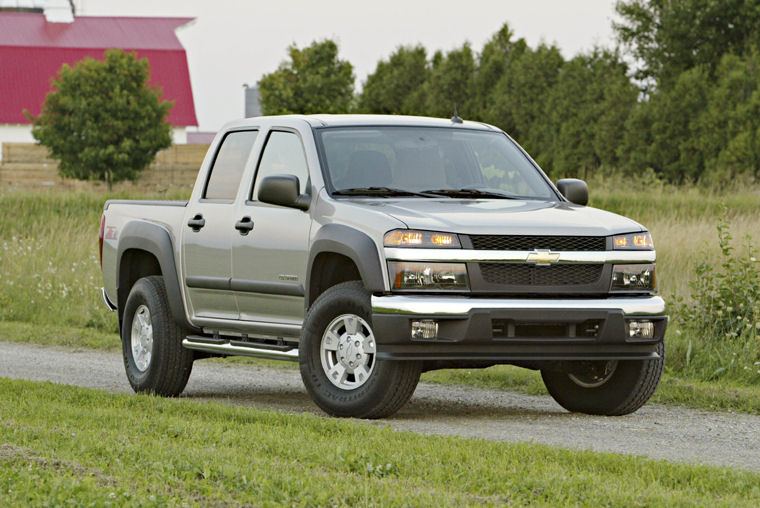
[610, 388]
[338, 358]
[154, 358]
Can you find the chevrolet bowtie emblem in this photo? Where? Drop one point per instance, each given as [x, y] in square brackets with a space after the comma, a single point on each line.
[542, 257]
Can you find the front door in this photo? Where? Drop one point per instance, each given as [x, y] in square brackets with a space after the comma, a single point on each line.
[269, 261]
[208, 229]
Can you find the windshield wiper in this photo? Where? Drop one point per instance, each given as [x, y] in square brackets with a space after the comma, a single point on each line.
[380, 191]
[467, 192]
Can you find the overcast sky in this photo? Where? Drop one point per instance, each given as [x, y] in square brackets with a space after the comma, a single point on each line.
[233, 42]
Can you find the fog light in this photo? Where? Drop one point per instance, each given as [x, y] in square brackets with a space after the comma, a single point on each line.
[425, 329]
[640, 329]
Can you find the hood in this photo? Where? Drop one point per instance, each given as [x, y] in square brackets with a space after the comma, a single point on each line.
[502, 216]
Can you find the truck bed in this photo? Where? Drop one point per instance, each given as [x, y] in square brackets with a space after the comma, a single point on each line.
[169, 215]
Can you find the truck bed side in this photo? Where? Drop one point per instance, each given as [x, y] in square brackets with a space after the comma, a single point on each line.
[145, 229]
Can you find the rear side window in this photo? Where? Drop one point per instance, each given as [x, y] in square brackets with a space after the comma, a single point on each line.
[283, 155]
[229, 164]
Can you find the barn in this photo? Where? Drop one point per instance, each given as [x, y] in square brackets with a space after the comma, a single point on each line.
[33, 48]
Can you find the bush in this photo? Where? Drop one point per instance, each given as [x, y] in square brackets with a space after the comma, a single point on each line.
[102, 121]
[721, 323]
[726, 300]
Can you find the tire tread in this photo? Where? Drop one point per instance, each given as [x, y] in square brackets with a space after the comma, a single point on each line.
[646, 386]
[174, 363]
[619, 396]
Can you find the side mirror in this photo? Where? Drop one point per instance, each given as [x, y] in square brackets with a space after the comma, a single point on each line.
[283, 190]
[576, 191]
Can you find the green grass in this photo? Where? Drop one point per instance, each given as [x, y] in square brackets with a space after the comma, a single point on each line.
[49, 268]
[62, 444]
[51, 335]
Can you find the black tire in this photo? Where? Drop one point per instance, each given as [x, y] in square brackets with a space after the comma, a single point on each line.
[389, 385]
[170, 364]
[627, 388]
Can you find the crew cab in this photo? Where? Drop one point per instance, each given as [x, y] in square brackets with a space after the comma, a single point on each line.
[373, 248]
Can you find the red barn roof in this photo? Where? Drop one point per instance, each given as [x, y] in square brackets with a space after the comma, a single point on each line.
[33, 50]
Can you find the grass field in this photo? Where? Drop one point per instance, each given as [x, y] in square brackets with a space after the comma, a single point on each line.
[50, 276]
[62, 444]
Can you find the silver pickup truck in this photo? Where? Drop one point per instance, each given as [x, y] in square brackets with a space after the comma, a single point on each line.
[373, 248]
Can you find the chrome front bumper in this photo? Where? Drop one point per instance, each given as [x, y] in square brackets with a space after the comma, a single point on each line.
[509, 330]
[459, 306]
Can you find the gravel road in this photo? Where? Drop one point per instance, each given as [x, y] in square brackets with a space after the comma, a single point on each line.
[660, 432]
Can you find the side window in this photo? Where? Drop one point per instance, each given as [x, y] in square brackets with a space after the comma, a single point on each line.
[227, 169]
[283, 155]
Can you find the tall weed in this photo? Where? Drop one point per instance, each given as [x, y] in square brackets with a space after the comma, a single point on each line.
[717, 331]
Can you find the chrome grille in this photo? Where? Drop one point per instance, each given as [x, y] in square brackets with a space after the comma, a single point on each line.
[513, 274]
[555, 243]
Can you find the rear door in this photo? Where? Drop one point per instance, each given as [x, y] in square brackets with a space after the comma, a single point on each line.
[269, 261]
[208, 230]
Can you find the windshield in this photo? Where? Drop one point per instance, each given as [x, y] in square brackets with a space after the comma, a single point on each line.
[429, 161]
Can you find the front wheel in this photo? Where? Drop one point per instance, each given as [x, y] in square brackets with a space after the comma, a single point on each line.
[611, 388]
[154, 358]
[338, 358]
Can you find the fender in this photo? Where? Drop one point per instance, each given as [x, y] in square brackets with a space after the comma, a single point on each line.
[355, 245]
[154, 239]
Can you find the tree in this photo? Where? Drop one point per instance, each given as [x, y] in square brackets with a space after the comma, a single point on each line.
[450, 83]
[494, 61]
[518, 102]
[665, 131]
[670, 37]
[102, 121]
[587, 111]
[700, 64]
[314, 80]
[730, 123]
[396, 85]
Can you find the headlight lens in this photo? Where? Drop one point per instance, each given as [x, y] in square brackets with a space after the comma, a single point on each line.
[421, 239]
[633, 277]
[431, 276]
[633, 241]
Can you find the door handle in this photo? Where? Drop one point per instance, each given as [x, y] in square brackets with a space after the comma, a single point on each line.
[244, 225]
[197, 222]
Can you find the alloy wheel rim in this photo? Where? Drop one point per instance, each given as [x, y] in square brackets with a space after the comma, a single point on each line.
[348, 351]
[142, 338]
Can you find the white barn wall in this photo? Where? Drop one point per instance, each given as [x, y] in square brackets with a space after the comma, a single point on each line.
[18, 133]
[179, 135]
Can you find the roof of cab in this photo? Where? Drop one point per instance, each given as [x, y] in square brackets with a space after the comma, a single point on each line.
[318, 121]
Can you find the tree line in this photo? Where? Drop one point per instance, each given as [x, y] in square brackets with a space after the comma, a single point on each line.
[679, 95]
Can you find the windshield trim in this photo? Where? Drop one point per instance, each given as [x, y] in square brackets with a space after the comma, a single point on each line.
[323, 165]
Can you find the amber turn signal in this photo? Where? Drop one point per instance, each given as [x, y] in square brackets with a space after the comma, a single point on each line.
[422, 239]
[633, 241]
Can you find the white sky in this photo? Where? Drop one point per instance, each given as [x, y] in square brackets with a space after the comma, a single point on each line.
[236, 41]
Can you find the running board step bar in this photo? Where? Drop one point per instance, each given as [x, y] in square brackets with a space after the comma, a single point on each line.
[239, 348]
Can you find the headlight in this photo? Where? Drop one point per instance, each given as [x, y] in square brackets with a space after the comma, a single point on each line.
[633, 277]
[422, 239]
[434, 276]
[633, 241]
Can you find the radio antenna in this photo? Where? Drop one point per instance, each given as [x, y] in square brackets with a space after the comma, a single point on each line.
[455, 118]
